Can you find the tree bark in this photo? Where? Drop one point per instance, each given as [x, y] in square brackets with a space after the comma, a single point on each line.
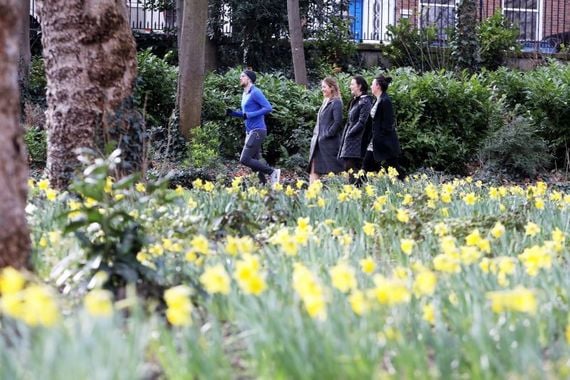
[14, 235]
[296, 38]
[191, 59]
[90, 59]
[25, 50]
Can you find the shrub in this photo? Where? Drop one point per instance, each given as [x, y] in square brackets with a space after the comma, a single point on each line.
[545, 93]
[36, 142]
[107, 230]
[516, 147]
[441, 119]
[333, 48]
[37, 84]
[204, 145]
[155, 91]
[412, 47]
[497, 36]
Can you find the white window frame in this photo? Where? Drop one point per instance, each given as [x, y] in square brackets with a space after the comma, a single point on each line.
[537, 12]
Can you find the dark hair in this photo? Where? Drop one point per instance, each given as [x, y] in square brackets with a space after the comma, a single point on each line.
[359, 79]
[383, 82]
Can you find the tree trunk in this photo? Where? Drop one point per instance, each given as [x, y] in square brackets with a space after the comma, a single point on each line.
[191, 59]
[14, 235]
[24, 46]
[90, 60]
[296, 38]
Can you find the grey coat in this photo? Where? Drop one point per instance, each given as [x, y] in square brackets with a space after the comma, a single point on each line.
[352, 145]
[326, 139]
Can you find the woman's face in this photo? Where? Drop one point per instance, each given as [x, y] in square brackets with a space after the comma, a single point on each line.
[375, 87]
[355, 88]
[326, 89]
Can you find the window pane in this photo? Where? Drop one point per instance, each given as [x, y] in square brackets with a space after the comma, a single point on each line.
[440, 17]
[444, 2]
[521, 4]
[526, 22]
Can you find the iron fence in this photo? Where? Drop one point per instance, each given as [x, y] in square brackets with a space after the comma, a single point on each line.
[543, 24]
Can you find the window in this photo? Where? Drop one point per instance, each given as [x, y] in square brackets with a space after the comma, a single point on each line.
[438, 13]
[524, 13]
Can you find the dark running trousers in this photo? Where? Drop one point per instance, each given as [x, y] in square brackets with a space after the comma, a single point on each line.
[251, 154]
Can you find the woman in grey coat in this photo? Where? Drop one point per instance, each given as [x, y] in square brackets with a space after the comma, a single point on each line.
[352, 146]
[326, 135]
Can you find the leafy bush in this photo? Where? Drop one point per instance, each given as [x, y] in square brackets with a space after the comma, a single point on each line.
[441, 119]
[545, 93]
[497, 36]
[204, 145]
[332, 48]
[412, 47]
[37, 84]
[516, 147]
[36, 142]
[105, 226]
[155, 91]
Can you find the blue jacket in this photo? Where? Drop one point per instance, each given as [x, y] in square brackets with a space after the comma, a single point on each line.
[255, 106]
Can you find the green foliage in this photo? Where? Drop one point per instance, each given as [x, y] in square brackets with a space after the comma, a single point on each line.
[194, 354]
[441, 119]
[257, 28]
[412, 47]
[516, 147]
[464, 42]
[260, 28]
[545, 93]
[497, 36]
[204, 145]
[332, 47]
[167, 143]
[37, 84]
[155, 91]
[36, 142]
[108, 232]
[88, 347]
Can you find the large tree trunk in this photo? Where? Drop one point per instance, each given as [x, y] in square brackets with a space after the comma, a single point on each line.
[191, 59]
[90, 61]
[296, 38]
[14, 235]
[25, 50]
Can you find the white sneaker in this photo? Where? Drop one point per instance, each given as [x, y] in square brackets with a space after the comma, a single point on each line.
[275, 176]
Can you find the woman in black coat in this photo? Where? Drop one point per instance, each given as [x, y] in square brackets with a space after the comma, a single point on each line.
[384, 148]
[326, 135]
[352, 146]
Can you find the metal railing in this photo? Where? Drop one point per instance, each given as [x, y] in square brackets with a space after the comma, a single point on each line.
[543, 24]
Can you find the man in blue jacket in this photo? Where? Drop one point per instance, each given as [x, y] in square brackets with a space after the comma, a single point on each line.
[254, 106]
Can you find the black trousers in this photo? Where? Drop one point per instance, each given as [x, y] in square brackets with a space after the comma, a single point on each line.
[355, 164]
[371, 165]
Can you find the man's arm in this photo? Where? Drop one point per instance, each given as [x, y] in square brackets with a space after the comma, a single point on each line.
[258, 97]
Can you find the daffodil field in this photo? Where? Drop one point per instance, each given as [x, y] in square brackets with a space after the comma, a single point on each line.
[421, 279]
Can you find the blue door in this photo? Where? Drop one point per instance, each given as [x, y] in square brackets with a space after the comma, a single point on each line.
[355, 14]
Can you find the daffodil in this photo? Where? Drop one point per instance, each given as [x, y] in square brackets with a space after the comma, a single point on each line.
[216, 280]
[99, 303]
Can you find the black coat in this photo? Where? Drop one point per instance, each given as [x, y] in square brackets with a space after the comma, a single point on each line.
[351, 145]
[326, 139]
[385, 141]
